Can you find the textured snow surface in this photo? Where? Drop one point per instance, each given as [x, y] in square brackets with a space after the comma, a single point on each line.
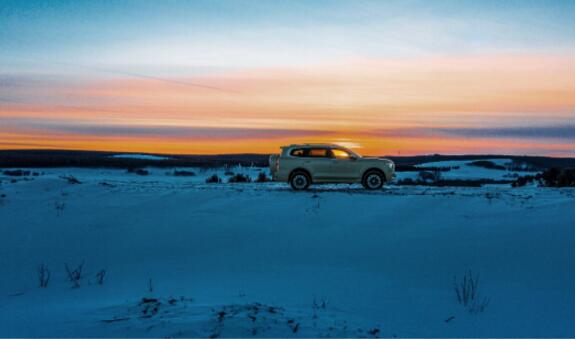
[188, 259]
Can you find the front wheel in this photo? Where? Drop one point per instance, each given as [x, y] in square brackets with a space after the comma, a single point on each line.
[373, 180]
[299, 181]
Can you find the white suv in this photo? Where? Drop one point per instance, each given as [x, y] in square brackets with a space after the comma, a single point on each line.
[302, 165]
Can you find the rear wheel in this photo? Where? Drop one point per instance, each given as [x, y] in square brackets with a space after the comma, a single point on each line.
[299, 181]
[373, 180]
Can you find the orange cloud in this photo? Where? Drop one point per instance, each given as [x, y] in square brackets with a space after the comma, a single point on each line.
[347, 99]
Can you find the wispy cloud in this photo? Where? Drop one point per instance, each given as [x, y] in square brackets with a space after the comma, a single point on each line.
[534, 132]
[540, 132]
[93, 129]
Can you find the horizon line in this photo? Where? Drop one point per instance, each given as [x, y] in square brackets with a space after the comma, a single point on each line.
[265, 154]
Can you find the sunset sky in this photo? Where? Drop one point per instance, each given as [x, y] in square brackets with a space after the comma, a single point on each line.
[218, 76]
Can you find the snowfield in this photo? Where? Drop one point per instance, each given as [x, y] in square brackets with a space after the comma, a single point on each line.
[183, 258]
[464, 170]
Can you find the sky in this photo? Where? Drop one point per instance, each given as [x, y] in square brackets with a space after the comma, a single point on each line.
[246, 76]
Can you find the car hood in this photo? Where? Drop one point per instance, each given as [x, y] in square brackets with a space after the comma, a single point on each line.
[377, 161]
[374, 159]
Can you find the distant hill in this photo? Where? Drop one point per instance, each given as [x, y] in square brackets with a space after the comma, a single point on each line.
[538, 161]
[61, 158]
[56, 158]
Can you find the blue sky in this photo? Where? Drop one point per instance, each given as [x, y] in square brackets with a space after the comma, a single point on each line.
[216, 34]
[109, 74]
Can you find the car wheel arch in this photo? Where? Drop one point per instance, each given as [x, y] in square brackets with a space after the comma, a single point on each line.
[374, 169]
[297, 181]
[300, 169]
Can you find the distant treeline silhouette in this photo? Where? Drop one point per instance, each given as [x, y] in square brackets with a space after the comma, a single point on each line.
[64, 158]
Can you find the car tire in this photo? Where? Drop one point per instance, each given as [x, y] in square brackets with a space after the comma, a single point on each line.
[373, 180]
[299, 180]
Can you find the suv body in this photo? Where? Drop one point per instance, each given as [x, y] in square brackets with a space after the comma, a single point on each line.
[304, 164]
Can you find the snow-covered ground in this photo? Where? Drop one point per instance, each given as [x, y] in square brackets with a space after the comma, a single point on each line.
[188, 259]
[462, 169]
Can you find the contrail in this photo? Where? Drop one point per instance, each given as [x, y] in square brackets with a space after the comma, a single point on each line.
[80, 108]
[136, 75]
[151, 77]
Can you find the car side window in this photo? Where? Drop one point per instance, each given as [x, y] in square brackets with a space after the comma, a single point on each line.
[340, 154]
[298, 152]
[318, 153]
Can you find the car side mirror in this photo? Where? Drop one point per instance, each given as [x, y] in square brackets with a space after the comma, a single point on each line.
[352, 158]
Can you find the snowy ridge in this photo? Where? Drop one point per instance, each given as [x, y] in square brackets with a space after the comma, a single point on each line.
[139, 156]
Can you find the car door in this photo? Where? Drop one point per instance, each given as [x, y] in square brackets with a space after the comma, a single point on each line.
[344, 165]
[319, 162]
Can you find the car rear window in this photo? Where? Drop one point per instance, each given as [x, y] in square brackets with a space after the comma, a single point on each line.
[298, 152]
